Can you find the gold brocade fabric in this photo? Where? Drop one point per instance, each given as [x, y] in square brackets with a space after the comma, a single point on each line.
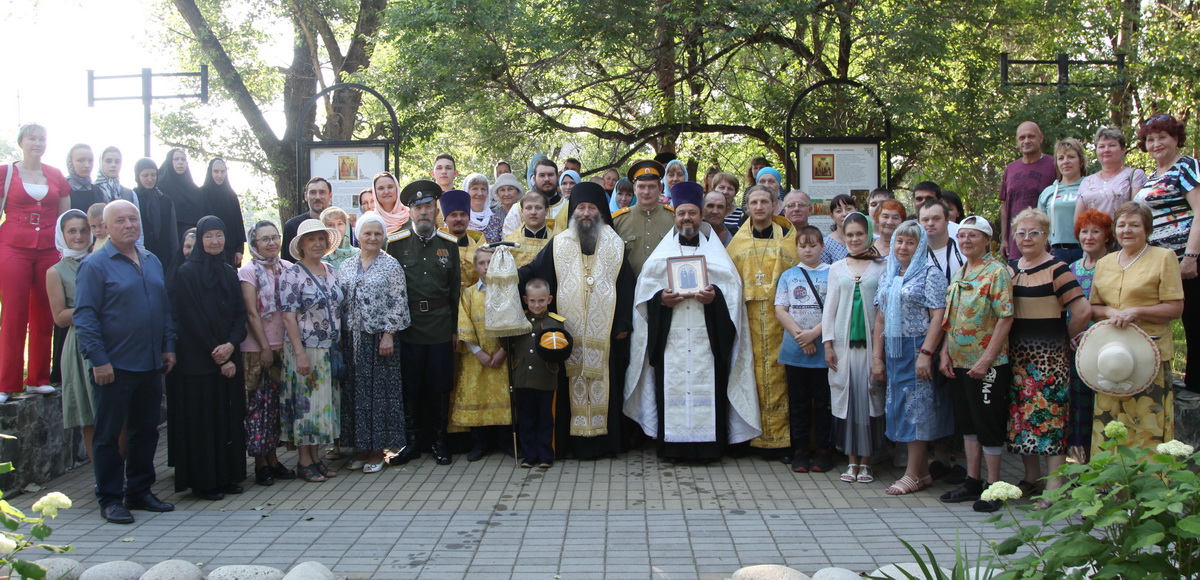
[528, 248]
[761, 262]
[589, 310]
[466, 258]
[480, 394]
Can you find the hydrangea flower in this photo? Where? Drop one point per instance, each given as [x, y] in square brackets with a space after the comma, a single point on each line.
[1176, 448]
[1002, 491]
[7, 545]
[51, 503]
[1115, 430]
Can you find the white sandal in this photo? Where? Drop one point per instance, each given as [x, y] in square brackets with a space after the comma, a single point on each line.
[864, 474]
[851, 473]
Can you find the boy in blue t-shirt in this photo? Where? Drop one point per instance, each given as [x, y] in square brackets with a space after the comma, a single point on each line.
[799, 300]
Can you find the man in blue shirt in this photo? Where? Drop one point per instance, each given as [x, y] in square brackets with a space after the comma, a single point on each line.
[123, 321]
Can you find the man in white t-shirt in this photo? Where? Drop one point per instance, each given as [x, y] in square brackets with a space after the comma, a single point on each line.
[934, 217]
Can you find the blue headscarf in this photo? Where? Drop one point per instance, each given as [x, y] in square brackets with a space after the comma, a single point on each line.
[569, 173]
[529, 170]
[666, 170]
[778, 178]
[612, 198]
[892, 282]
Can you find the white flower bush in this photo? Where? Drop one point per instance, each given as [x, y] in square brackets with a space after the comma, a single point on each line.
[51, 503]
[1002, 491]
[1175, 448]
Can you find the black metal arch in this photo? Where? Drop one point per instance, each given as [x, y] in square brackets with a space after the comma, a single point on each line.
[392, 142]
[792, 141]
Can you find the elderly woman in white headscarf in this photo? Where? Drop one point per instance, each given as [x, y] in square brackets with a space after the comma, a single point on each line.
[376, 308]
[486, 216]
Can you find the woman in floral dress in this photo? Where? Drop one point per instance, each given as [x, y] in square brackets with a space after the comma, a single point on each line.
[311, 301]
[1044, 289]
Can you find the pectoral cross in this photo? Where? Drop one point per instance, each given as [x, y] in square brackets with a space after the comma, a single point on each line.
[758, 278]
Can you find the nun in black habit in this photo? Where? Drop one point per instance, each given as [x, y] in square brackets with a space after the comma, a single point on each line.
[159, 226]
[206, 439]
[175, 180]
[221, 201]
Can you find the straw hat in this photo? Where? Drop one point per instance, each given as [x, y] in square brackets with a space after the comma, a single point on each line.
[1117, 361]
[313, 225]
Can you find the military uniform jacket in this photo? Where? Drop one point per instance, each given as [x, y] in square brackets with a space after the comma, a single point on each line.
[431, 271]
[641, 231]
[530, 371]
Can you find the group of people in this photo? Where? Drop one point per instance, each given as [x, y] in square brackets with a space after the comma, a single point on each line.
[617, 309]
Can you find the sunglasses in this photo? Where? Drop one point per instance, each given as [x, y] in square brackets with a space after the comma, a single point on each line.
[1157, 118]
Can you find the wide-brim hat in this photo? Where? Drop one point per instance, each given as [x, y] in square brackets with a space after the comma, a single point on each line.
[554, 345]
[1117, 361]
[420, 192]
[309, 226]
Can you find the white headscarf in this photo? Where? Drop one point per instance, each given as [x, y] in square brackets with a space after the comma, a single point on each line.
[369, 217]
[60, 241]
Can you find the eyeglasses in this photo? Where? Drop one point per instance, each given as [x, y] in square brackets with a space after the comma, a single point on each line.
[269, 239]
[1028, 235]
[796, 205]
[1156, 118]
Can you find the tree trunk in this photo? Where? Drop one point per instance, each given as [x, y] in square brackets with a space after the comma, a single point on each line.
[1121, 103]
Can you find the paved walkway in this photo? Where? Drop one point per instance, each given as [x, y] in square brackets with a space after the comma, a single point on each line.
[632, 517]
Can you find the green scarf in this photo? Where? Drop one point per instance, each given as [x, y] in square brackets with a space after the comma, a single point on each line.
[858, 319]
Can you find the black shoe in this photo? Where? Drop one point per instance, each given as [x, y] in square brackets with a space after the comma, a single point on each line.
[117, 514]
[475, 454]
[440, 454]
[278, 471]
[822, 462]
[956, 476]
[968, 491]
[264, 476]
[407, 453]
[800, 462]
[787, 458]
[526, 464]
[938, 470]
[987, 506]
[148, 502]
[209, 494]
[546, 464]
[232, 489]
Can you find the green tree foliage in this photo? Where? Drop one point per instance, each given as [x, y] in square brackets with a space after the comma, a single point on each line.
[609, 81]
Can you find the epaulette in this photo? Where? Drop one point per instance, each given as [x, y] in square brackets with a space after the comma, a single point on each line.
[669, 207]
[400, 235]
[447, 236]
[557, 317]
[622, 211]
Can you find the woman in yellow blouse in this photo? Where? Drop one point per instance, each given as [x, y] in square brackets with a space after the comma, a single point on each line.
[1141, 285]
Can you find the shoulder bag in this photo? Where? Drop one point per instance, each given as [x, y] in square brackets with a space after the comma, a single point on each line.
[337, 363]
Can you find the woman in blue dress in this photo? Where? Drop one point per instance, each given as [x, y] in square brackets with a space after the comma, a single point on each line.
[911, 300]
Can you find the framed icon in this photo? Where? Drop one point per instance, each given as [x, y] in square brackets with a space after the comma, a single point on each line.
[822, 167]
[687, 275]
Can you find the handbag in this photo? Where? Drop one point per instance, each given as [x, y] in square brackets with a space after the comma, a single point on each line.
[337, 361]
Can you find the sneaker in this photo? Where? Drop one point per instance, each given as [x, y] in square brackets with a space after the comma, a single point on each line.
[987, 506]
[526, 464]
[4, 397]
[800, 462]
[545, 465]
[42, 390]
[822, 463]
[970, 490]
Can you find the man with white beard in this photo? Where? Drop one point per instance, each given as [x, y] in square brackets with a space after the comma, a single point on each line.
[592, 287]
[690, 384]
